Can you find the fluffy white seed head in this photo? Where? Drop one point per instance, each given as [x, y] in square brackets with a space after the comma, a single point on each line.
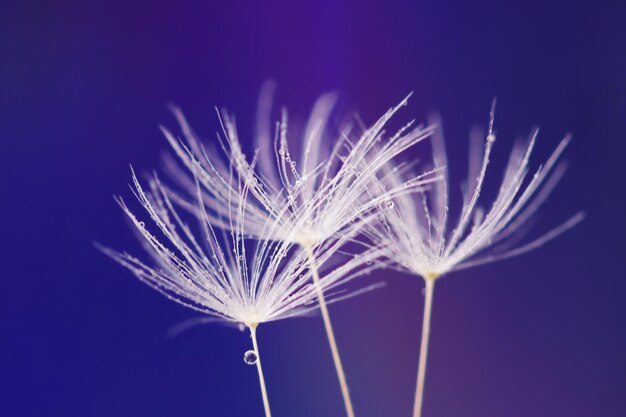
[222, 273]
[418, 233]
[325, 192]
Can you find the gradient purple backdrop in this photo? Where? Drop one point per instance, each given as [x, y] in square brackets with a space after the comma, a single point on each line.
[83, 86]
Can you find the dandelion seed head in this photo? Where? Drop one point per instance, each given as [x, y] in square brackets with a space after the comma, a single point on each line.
[223, 273]
[322, 193]
[420, 237]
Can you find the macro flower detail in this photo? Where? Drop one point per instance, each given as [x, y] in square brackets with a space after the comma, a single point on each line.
[326, 192]
[326, 195]
[416, 231]
[268, 227]
[224, 275]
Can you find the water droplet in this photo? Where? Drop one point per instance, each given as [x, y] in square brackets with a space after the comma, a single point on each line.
[142, 224]
[241, 327]
[250, 357]
[491, 138]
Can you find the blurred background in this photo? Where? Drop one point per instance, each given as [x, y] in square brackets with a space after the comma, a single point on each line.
[83, 88]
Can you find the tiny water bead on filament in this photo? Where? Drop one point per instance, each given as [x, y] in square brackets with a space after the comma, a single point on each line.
[324, 195]
[419, 240]
[224, 274]
[250, 357]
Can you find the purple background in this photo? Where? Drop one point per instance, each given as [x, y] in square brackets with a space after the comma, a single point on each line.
[83, 86]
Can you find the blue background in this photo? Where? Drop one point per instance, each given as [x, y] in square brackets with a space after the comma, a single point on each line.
[83, 87]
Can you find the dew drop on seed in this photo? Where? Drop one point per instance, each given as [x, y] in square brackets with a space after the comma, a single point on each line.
[250, 357]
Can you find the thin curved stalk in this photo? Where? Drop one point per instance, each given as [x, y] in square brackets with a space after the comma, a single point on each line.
[421, 370]
[266, 403]
[330, 334]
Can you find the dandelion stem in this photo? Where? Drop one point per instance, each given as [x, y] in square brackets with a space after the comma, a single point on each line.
[421, 370]
[266, 403]
[329, 333]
